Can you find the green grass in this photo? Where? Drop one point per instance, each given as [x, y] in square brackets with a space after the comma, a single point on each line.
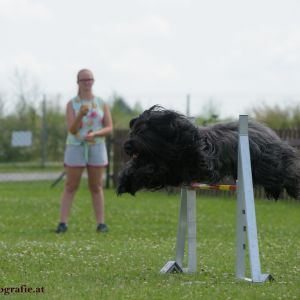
[125, 263]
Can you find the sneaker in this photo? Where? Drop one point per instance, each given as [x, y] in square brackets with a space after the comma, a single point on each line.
[102, 228]
[61, 228]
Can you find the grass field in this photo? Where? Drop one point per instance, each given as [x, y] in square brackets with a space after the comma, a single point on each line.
[125, 263]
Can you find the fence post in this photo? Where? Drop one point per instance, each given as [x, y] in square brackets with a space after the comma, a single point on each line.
[44, 133]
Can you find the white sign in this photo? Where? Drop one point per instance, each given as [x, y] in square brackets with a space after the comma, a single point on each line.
[21, 138]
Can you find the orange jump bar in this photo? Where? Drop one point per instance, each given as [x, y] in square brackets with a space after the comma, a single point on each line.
[219, 187]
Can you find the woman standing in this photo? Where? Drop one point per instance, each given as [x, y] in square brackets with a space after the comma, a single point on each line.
[88, 121]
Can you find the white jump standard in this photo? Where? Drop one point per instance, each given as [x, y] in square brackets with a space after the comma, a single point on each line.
[246, 218]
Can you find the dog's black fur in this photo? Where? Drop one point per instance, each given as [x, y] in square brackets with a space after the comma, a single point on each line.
[166, 149]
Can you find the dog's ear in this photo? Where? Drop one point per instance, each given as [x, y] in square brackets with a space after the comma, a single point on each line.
[131, 122]
[163, 119]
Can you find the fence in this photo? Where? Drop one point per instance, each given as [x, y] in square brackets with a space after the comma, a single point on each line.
[291, 135]
[32, 136]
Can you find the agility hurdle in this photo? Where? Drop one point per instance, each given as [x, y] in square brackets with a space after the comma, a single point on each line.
[246, 218]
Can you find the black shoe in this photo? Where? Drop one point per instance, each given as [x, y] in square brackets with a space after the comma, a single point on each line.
[61, 228]
[102, 228]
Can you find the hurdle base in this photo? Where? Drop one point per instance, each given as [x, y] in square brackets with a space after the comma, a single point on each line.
[171, 267]
[263, 278]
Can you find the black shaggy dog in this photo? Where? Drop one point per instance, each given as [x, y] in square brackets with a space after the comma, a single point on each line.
[166, 149]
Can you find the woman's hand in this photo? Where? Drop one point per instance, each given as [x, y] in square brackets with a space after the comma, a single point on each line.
[90, 137]
[83, 110]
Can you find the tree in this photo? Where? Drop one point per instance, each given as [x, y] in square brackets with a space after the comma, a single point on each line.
[1, 105]
[209, 115]
[122, 113]
[22, 116]
[56, 129]
[278, 118]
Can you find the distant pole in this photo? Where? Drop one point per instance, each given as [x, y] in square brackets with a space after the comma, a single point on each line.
[188, 103]
[44, 133]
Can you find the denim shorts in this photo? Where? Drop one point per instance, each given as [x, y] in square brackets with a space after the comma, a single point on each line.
[86, 155]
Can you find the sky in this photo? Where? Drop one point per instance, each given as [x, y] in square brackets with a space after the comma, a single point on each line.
[230, 55]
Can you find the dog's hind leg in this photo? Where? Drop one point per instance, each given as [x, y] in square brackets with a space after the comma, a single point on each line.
[292, 180]
[293, 189]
